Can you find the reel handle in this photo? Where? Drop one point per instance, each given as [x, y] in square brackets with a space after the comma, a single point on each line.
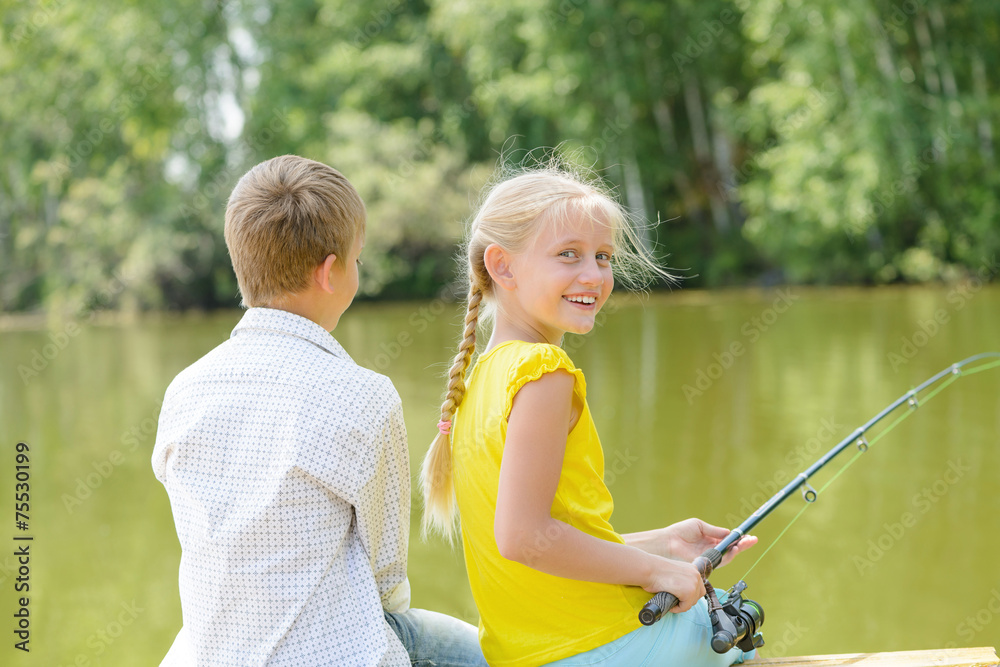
[723, 641]
[663, 601]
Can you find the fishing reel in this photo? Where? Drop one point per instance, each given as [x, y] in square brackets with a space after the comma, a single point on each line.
[736, 621]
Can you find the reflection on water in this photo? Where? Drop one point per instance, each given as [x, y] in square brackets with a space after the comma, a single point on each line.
[706, 403]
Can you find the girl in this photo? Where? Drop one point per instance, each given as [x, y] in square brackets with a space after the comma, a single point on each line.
[553, 582]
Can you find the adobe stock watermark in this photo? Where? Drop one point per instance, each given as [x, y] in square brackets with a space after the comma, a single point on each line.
[868, 212]
[790, 636]
[816, 99]
[419, 321]
[922, 503]
[751, 330]
[101, 470]
[795, 459]
[958, 297]
[99, 641]
[247, 149]
[696, 45]
[613, 129]
[421, 318]
[39, 18]
[40, 358]
[425, 147]
[614, 467]
[900, 15]
[973, 624]
[595, 492]
[378, 20]
[147, 80]
[8, 568]
[563, 11]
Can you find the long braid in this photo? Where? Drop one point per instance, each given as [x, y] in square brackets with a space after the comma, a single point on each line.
[436, 473]
[456, 375]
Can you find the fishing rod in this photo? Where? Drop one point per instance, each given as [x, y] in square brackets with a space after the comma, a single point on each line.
[735, 622]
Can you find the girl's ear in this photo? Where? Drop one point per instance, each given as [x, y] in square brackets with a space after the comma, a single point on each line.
[498, 265]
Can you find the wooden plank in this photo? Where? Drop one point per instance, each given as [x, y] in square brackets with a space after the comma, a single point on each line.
[959, 657]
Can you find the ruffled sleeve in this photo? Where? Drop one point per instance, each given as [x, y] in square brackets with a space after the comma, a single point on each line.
[536, 361]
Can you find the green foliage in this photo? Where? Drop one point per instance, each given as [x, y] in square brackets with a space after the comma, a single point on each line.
[875, 160]
[417, 191]
[821, 142]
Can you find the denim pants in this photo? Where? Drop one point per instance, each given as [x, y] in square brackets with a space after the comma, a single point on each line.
[436, 640]
[676, 640]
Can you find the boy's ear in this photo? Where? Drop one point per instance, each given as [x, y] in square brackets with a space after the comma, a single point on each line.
[498, 265]
[323, 274]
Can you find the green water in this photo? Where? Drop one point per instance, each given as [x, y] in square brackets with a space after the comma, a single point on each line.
[899, 553]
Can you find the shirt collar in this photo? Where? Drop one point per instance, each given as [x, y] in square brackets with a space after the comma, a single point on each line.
[283, 322]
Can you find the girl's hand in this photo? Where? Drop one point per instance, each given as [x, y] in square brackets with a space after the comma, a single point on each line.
[681, 579]
[688, 539]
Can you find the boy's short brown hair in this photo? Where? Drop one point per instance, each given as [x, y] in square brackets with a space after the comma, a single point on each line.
[283, 218]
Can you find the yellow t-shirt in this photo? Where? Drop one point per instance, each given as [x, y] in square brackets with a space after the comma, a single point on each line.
[528, 617]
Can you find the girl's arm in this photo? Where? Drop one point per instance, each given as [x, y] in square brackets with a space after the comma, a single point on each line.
[524, 528]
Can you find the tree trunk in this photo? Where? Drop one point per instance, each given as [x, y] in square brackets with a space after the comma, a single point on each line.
[635, 196]
[666, 135]
[668, 144]
[984, 125]
[703, 153]
[845, 61]
[927, 58]
[947, 74]
[722, 152]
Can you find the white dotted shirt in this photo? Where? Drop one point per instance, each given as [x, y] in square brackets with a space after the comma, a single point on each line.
[288, 474]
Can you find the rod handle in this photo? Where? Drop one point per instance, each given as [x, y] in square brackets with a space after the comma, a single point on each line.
[663, 601]
[660, 604]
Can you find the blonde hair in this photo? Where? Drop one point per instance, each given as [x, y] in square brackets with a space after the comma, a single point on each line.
[511, 215]
[283, 218]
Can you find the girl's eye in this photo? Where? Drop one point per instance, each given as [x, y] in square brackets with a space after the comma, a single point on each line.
[568, 253]
[604, 256]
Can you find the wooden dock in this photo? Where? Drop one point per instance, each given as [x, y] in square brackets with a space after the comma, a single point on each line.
[958, 657]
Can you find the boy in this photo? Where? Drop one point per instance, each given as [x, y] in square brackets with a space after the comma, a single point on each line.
[286, 463]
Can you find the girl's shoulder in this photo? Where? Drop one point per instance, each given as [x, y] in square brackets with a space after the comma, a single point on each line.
[519, 352]
[521, 362]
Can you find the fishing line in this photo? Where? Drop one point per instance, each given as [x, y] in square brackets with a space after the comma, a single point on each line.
[736, 621]
[913, 402]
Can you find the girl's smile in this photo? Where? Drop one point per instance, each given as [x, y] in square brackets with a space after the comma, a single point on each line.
[559, 283]
[582, 300]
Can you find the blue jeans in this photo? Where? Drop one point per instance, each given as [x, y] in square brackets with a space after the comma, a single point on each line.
[676, 640]
[437, 640]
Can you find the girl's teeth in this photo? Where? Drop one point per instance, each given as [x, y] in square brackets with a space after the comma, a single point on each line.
[582, 299]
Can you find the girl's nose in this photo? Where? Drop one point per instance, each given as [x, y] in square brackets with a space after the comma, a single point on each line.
[592, 274]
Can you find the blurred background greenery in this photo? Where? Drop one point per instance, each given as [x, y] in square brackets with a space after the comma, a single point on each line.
[846, 141]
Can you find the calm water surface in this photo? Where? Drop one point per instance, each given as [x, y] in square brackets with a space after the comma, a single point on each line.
[704, 401]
